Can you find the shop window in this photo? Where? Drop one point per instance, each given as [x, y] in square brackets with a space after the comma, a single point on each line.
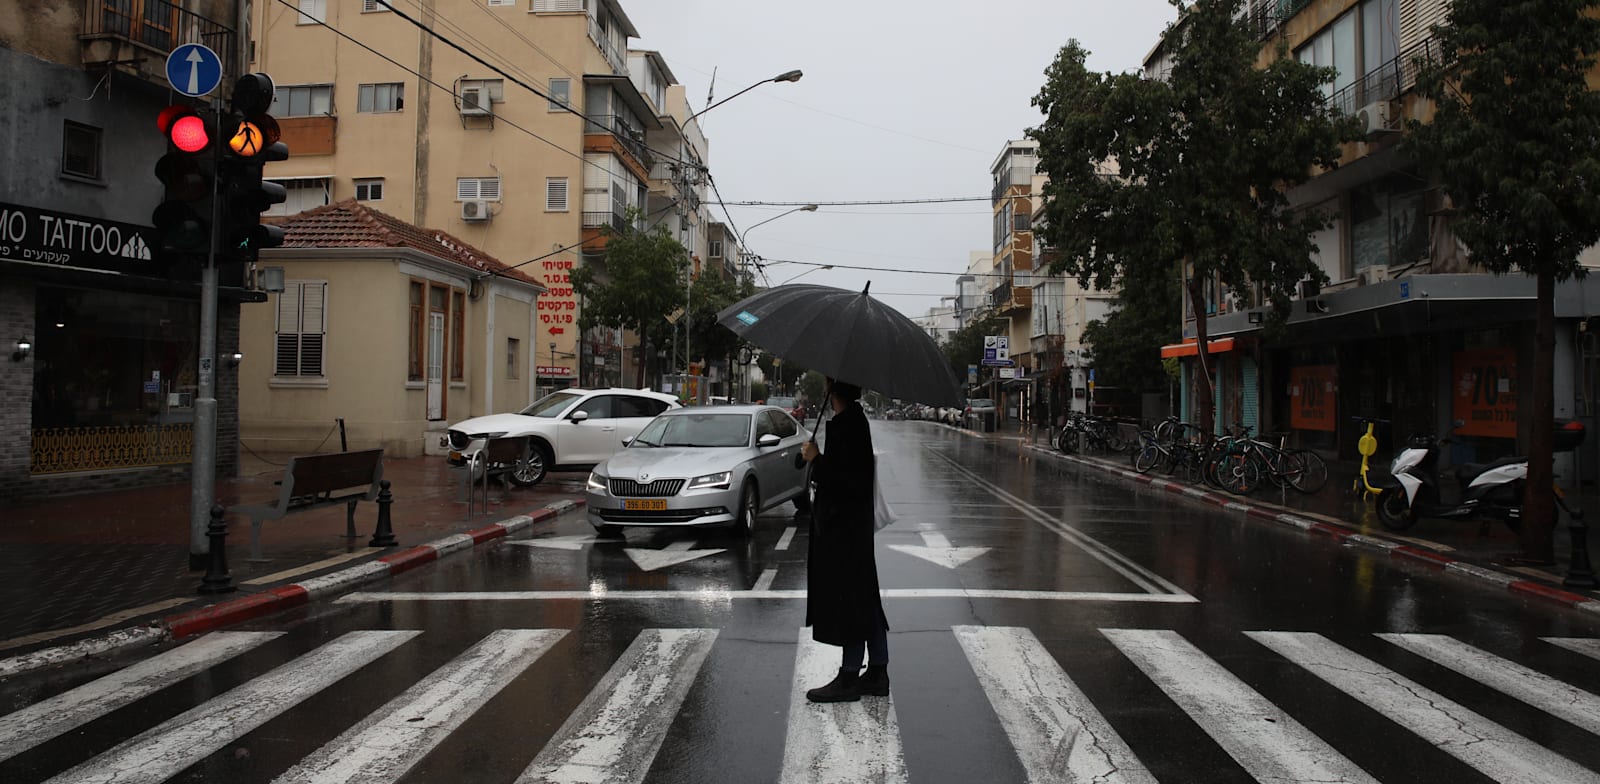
[301, 330]
[1388, 224]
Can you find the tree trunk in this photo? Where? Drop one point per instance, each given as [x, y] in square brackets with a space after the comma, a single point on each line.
[1205, 406]
[1538, 506]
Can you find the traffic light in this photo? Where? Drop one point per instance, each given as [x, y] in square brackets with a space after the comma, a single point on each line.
[183, 220]
[253, 143]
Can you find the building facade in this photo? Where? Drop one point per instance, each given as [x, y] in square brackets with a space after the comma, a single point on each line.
[99, 358]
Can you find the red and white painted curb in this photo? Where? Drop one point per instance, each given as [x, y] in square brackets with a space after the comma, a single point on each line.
[1342, 533]
[280, 598]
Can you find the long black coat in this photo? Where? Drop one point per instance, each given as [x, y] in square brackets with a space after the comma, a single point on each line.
[842, 599]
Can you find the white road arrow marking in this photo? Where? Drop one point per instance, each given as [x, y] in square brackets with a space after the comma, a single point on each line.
[558, 542]
[671, 555]
[936, 549]
[194, 60]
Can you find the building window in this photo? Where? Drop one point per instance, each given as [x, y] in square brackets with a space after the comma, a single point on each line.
[312, 11]
[560, 94]
[555, 194]
[372, 6]
[414, 339]
[369, 190]
[513, 348]
[305, 100]
[556, 6]
[302, 329]
[80, 150]
[475, 188]
[385, 97]
[714, 250]
[493, 3]
[458, 336]
[300, 195]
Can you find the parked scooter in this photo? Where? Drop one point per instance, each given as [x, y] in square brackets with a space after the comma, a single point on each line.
[1491, 491]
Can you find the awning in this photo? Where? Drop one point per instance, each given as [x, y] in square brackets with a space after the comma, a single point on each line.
[1190, 348]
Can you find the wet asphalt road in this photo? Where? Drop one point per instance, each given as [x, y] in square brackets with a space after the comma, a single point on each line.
[1047, 621]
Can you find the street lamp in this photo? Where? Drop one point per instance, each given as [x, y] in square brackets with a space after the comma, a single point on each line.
[786, 76]
[807, 272]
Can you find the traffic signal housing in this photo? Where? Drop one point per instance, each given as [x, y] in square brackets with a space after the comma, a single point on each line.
[253, 143]
[183, 220]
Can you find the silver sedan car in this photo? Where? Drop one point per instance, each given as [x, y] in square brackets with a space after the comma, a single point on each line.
[702, 466]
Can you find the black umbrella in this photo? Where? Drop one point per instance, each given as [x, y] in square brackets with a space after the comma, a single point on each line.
[849, 336]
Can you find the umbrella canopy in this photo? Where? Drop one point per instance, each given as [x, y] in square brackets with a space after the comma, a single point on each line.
[849, 336]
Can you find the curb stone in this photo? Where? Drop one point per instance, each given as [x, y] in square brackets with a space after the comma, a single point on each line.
[278, 598]
[1324, 526]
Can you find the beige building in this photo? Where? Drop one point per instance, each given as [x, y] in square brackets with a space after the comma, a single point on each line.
[392, 328]
[438, 139]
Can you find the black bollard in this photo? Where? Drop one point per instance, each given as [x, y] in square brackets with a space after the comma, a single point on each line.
[384, 536]
[217, 579]
[1580, 574]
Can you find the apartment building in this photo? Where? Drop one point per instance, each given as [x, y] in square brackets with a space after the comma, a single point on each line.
[380, 111]
[99, 328]
[1409, 329]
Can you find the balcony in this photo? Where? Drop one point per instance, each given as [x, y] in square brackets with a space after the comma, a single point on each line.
[1387, 82]
[144, 32]
[624, 140]
[617, 58]
[599, 220]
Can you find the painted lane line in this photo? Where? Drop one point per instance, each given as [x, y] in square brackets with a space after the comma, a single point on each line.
[1134, 572]
[1581, 645]
[764, 582]
[160, 753]
[388, 743]
[1494, 750]
[614, 735]
[840, 741]
[1558, 699]
[1264, 740]
[1056, 731]
[783, 541]
[42, 721]
[726, 595]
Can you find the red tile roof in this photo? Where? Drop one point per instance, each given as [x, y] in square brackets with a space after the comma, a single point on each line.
[350, 224]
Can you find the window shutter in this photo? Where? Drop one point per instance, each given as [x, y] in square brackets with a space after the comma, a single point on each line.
[466, 189]
[287, 359]
[554, 6]
[369, 6]
[489, 188]
[555, 194]
[313, 309]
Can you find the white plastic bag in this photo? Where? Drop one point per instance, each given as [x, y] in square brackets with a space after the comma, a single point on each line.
[883, 515]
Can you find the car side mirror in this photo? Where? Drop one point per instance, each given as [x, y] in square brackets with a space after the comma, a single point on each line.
[768, 440]
[579, 416]
[627, 441]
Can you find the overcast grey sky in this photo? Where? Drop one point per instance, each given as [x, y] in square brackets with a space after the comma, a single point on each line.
[901, 99]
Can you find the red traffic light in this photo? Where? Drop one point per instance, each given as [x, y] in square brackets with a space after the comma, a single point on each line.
[189, 134]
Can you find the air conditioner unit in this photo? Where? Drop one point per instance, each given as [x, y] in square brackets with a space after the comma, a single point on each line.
[1376, 118]
[1376, 273]
[474, 102]
[475, 210]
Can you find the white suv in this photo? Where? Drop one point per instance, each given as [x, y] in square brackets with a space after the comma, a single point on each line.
[568, 430]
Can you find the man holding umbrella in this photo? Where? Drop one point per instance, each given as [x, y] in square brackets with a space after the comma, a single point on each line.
[842, 602]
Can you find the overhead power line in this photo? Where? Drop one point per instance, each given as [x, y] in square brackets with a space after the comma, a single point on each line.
[949, 200]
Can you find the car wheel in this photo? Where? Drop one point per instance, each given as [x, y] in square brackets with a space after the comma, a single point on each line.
[749, 507]
[532, 471]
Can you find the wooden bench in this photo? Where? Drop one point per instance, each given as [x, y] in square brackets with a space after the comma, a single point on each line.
[316, 481]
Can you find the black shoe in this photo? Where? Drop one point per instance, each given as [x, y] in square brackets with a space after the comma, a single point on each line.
[874, 682]
[841, 689]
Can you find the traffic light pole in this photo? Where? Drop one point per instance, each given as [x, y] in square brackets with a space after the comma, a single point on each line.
[203, 480]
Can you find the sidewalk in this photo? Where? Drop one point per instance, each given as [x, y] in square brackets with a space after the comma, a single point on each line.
[85, 565]
[1471, 548]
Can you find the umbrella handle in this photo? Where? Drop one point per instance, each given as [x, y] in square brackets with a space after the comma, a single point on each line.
[799, 461]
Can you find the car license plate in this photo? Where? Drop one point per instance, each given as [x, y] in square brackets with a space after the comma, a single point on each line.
[645, 505]
[455, 457]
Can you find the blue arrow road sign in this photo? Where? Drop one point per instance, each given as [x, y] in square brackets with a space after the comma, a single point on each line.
[194, 70]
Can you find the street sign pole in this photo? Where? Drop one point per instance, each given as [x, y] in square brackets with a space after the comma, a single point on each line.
[203, 471]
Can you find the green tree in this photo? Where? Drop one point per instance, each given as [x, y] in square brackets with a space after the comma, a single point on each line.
[758, 391]
[709, 295]
[628, 291]
[964, 346]
[1513, 143]
[1194, 169]
[1127, 343]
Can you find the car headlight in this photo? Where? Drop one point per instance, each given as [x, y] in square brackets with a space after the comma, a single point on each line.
[596, 481]
[719, 481]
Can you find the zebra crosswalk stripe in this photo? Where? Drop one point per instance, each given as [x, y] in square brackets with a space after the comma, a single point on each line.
[159, 753]
[390, 741]
[1587, 647]
[841, 741]
[1265, 741]
[615, 733]
[1492, 749]
[1541, 691]
[1056, 731]
[44, 720]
